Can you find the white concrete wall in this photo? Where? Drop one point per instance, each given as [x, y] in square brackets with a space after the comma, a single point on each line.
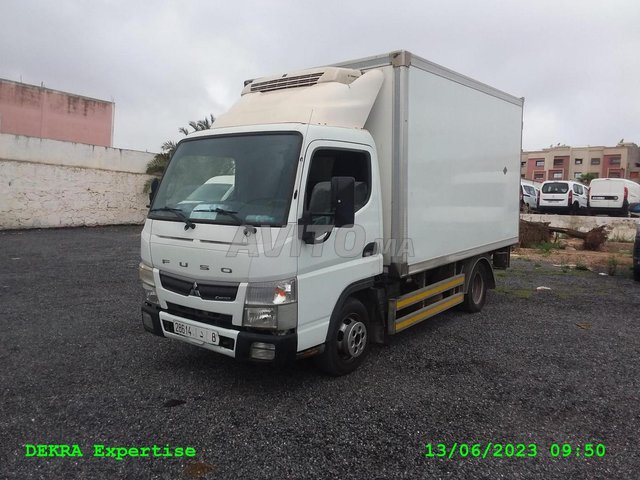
[621, 229]
[49, 183]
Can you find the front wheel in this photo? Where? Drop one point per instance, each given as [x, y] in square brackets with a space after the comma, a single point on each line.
[476, 295]
[348, 340]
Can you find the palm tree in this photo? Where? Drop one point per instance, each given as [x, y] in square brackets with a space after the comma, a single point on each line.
[159, 163]
[586, 178]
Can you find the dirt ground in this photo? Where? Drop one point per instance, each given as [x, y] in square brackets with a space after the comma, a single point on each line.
[615, 258]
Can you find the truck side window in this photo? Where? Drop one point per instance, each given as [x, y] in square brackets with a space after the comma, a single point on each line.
[328, 163]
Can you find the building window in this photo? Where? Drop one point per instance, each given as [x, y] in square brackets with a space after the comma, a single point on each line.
[614, 160]
[522, 175]
[523, 164]
[595, 161]
[540, 163]
[578, 161]
[538, 176]
[557, 175]
[614, 174]
[594, 174]
[577, 175]
[558, 162]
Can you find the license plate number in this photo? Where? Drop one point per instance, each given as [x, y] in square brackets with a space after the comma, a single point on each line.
[203, 334]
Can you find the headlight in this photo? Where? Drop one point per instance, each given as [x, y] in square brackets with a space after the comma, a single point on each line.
[271, 305]
[260, 317]
[145, 272]
[272, 293]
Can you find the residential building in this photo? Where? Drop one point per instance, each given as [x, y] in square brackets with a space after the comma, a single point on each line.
[36, 111]
[569, 163]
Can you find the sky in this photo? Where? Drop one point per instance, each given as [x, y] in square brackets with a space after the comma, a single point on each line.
[164, 63]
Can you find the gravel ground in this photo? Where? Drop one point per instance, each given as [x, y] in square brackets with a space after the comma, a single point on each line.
[541, 367]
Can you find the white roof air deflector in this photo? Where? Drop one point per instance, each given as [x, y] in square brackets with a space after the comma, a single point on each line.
[332, 96]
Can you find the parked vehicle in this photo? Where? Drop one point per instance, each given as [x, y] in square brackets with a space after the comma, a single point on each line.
[215, 189]
[612, 196]
[356, 212]
[636, 255]
[563, 196]
[528, 198]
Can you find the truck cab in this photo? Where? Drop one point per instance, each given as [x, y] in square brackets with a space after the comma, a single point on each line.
[230, 278]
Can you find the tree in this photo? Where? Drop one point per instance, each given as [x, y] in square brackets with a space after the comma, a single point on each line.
[159, 163]
[586, 178]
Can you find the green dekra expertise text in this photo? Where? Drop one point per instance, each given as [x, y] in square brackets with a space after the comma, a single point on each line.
[99, 450]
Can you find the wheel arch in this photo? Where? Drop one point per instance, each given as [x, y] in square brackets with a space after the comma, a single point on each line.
[363, 291]
[470, 265]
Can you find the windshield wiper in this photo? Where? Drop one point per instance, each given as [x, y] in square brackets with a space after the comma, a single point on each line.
[179, 213]
[231, 214]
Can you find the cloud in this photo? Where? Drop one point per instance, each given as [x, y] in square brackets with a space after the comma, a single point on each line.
[165, 63]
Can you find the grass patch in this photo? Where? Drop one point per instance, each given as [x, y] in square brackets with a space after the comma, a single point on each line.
[580, 265]
[612, 265]
[547, 247]
[522, 293]
[515, 292]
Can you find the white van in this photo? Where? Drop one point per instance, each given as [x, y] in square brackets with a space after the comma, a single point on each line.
[528, 197]
[613, 195]
[563, 196]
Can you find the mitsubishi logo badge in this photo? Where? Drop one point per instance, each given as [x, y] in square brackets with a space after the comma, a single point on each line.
[194, 290]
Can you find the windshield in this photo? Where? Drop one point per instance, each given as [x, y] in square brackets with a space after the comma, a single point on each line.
[528, 189]
[232, 179]
[555, 187]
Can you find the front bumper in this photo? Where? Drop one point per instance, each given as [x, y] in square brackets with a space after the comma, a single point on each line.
[233, 343]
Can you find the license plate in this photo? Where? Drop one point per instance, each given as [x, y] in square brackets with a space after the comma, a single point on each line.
[203, 334]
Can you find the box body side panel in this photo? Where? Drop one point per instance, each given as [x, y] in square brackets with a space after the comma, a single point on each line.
[463, 170]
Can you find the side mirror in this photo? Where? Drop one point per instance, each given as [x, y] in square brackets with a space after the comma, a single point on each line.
[339, 197]
[343, 198]
[154, 188]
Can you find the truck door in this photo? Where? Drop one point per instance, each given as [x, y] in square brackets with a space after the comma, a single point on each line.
[344, 255]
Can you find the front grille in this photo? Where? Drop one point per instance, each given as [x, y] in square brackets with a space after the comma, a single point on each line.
[202, 316]
[183, 287]
[287, 82]
[207, 291]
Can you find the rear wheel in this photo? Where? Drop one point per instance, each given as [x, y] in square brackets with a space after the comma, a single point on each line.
[476, 295]
[348, 340]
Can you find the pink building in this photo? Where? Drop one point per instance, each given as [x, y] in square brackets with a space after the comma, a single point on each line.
[41, 112]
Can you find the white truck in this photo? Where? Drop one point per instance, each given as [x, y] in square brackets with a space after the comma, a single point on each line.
[367, 197]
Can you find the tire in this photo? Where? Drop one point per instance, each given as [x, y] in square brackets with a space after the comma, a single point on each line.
[347, 342]
[575, 209]
[476, 295]
[625, 209]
